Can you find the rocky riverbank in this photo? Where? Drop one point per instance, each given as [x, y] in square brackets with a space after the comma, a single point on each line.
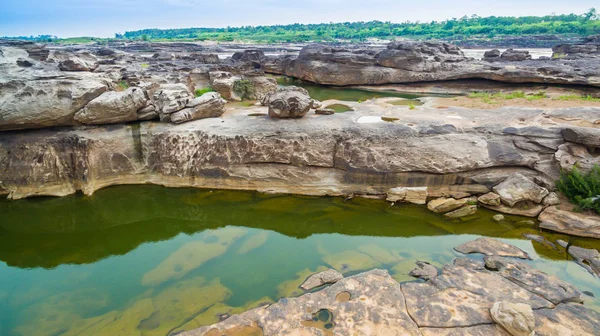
[498, 295]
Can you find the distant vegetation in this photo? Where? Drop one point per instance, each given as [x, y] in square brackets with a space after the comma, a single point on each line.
[582, 189]
[569, 24]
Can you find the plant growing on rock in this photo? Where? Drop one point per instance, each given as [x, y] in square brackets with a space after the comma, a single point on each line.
[200, 92]
[244, 89]
[583, 189]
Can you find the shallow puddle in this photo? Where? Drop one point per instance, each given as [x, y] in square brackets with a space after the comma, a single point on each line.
[339, 108]
[147, 260]
[406, 102]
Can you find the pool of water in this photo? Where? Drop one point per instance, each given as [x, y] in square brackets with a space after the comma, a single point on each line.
[148, 260]
[326, 92]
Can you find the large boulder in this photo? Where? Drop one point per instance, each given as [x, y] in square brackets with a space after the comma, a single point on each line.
[572, 223]
[171, 98]
[67, 61]
[515, 55]
[288, 102]
[209, 105]
[420, 56]
[517, 318]
[113, 107]
[414, 195]
[587, 136]
[518, 188]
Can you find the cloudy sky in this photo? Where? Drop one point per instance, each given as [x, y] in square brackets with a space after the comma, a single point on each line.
[104, 18]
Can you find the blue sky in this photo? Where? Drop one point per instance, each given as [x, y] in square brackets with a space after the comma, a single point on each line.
[103, 18]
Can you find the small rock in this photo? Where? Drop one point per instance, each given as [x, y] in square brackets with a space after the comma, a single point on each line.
[443, 205]
[498, 218]
[490, 198]
[415, 195]
[465, 211]
[492, 247]
[325, 111]
[518, 188]
[540, 239]
[319, 279]
[551, 199]
[516, 318]
[424, 270]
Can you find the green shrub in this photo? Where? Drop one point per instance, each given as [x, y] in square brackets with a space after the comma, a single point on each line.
[582, 189]
[200, 92]
[244, 88]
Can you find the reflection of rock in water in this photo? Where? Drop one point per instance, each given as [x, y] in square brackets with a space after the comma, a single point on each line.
[253, 242]
[192, 255]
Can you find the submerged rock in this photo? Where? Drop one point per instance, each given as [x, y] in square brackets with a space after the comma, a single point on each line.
[517, 318]
[424, 270]
[586, 258]
[492, 247]
[319, 279]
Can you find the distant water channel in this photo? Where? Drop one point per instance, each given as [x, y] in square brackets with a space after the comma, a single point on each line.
[148, 260]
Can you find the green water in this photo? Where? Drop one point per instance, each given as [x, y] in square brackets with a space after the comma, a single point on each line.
[325, 92]
[147, 260]
[339, 108]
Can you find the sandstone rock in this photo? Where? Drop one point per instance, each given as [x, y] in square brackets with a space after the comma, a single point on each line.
[319, 279]
[547, 286]
[415, 195]
[587, 136]
[518, 188]
[551, 199]
[492, 55]
[82, 61]
[527, 209]
[209, 105]
[577, 224]
[517, 318]
[465, 211]
[113, 107]
[540, 239]
[492, 247]
[288, 102]
[469, 263]
[515, 55]
[325, 111]
[262, 86]
[498, 218]
[443, 205]
[147, 113]
[424, 270]
[23, 62]
[291, 316]
[567, 319]
[223, 83]
[570, 155]
[171, 98]
[586, 258]
[490, 199]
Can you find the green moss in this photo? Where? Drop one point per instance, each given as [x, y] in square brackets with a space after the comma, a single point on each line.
[122, 86]
[144, 65]
[572, 97]
[200, 92]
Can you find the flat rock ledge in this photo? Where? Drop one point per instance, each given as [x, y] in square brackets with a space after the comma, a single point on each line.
[458, 301]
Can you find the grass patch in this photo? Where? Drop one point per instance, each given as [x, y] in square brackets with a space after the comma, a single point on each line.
[200, 92]
[574, 97]
[495, 98]
[583, 189]
[144, 65]
[122, 86]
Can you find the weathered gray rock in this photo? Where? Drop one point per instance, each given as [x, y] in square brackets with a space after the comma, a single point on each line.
[587, 136]
[113, 107]
[551, 199]
[424, 270]
[467, 210]
[360, 314]
[209, 105]
[492, 247]
[223, 82]
[577, 224]
[547, 286]
[288, 102]
[515, 55]
[469, 263]
[415, 195]
[567, 319]
[329, 276]
[540, 239]
[571, 155]
[492, 55]
[518, 188]
[586, 258]
[490, 198]
[517, 318]
[527, 209]
[171, 98]
[443, 205]
[82, 61]
[147, 113]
